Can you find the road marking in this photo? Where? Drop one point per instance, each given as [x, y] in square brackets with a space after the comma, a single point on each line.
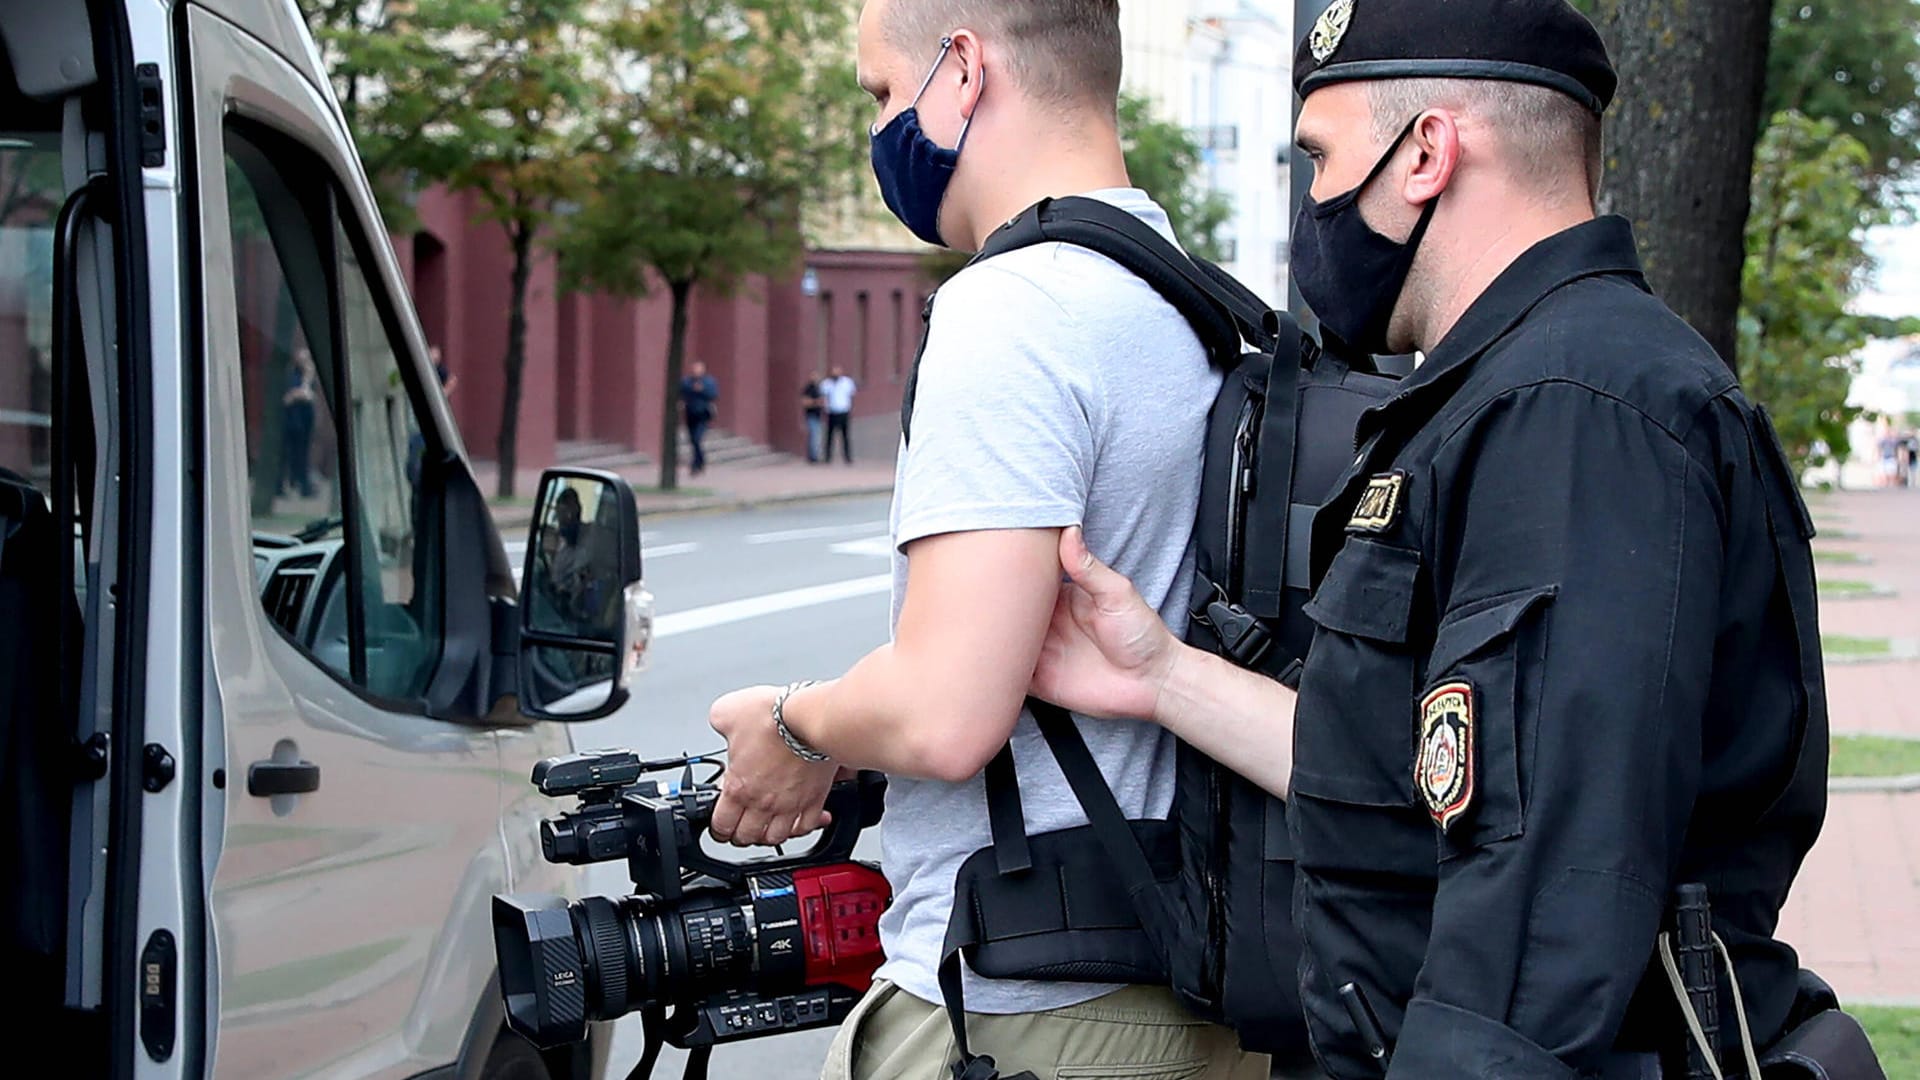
[815, 534]
[662, 551]
[881, 546]
[517, 555]
[754, 607]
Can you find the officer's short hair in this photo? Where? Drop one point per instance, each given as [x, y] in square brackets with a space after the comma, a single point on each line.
[1065, 52]
[1536, 124]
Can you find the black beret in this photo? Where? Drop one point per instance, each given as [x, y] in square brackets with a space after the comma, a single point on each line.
[1544, 42]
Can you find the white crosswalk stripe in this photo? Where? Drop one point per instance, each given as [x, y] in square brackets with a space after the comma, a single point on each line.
[881, 546]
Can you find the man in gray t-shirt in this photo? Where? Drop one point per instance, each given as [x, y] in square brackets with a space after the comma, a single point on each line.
[1055, 390]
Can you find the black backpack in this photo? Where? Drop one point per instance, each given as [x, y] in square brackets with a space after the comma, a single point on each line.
[1201, 902]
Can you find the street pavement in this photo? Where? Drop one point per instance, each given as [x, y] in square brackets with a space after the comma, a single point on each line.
[757, 596]
[1855, 910]
[801, 591]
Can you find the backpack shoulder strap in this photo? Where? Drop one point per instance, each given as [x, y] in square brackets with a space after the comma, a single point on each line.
[1224, 313]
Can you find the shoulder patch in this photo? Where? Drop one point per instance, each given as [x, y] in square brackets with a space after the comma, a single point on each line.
[1379, 505]
[1444, 773]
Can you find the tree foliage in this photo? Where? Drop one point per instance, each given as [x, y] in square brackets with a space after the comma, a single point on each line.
[1806, 255]
[1164, 161]
[1855, 63]
[493, 97]
[731, 117]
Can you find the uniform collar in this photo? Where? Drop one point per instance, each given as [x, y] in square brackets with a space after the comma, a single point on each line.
[1603, 246]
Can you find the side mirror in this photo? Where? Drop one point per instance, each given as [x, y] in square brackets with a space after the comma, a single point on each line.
[586, 617]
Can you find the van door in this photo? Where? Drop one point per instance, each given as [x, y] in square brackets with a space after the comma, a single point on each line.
[360, 838]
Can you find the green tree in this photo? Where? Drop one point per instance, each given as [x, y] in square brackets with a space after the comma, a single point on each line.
[1164, 161]
[1855, 63]
[1806, 256]
[493, 97]
[734, 116]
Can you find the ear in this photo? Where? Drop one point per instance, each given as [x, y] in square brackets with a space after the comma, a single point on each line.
[970, 54]
[1436, 136]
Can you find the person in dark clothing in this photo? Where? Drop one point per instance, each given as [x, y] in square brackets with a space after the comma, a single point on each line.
[297, 411]
[1566, 657]
[815, 405]
[698, 394]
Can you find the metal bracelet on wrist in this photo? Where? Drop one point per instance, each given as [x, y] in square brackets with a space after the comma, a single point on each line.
[800, 749]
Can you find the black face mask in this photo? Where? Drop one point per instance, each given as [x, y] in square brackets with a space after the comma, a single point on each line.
[1348, 274]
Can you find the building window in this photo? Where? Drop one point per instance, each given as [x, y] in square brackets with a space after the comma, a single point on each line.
[860, 307]
[899, 332]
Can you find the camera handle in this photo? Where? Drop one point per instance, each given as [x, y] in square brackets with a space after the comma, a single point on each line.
[856, 805]
[651, 1022]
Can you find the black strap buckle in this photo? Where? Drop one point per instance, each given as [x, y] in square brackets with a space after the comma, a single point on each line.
[1244, 639]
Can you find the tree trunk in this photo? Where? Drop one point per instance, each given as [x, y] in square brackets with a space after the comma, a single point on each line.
[506, 449]
[1680, 145]
[670, 401]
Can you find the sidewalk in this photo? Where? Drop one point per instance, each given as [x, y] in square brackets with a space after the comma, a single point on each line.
[722, 487]
[1855, 910]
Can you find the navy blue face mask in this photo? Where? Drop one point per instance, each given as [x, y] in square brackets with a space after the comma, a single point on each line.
[1350, 275]
[913, 170]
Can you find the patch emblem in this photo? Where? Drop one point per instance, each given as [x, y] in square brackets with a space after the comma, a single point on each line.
[1379, 505]
[1331, 30]
[1444, 773]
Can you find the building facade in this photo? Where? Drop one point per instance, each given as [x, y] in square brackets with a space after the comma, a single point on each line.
[595, 373]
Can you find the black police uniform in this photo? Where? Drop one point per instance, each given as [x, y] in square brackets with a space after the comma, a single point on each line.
[1567, 655]
[1571, 552]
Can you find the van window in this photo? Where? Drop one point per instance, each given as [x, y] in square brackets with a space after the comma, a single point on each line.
[30, 197]
[334, 446]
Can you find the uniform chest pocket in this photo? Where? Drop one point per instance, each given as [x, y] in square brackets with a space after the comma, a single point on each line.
[1352, 743]
[1477, 717]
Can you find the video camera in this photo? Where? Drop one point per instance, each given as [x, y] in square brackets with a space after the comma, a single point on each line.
[738, 950]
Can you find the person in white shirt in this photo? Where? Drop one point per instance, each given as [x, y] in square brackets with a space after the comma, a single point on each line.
[839, 389]
[1055, 389]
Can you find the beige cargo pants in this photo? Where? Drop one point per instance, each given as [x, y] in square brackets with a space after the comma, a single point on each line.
[1138, 1033]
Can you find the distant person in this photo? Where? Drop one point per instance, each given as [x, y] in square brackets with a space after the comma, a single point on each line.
[417, 442]
[297, 410]
[1910, 458]
[698, 393]
[839, 390]
[1889, 455]
[815, 406]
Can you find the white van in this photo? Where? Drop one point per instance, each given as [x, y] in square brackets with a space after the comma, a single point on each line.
[263, 762]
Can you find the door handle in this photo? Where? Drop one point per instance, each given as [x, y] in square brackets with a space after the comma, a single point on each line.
[266, 778]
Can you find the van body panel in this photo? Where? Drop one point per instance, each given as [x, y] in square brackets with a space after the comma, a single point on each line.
[351, 922]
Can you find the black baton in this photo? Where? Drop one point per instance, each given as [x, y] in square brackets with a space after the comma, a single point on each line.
[1699, 975]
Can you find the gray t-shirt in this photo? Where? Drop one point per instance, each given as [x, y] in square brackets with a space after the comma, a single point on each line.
[1056, 389]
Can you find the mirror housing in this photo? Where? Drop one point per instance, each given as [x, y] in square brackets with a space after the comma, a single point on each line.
[586, 618]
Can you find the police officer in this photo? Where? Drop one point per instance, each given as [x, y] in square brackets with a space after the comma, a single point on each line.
[1567, 657]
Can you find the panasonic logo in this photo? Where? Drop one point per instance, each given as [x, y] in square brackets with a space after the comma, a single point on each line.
[784, 924]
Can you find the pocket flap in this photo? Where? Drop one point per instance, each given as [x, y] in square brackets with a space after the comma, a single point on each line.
[1460, 636]
[1368, 591]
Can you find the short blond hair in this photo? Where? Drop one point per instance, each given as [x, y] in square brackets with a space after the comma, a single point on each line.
[1536, 125]
[1062, 52]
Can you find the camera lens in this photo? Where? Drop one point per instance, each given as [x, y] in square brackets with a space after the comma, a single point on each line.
[599, 959]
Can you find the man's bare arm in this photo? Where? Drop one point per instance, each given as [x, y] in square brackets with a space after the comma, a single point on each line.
[941, 699]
